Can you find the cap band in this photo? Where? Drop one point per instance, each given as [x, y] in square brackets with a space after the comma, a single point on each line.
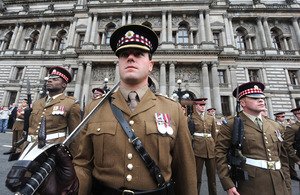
[296, 111]
[130, 36]
[61, 75]
[250, 91]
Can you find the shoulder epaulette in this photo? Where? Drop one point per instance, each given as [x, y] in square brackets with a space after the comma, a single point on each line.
[165, 96]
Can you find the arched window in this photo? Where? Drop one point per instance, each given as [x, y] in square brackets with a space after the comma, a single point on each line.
[61, 40]
[183, 33]
[34, 39]
[110, 29]
[241, 42]
[7, 39]
[276, 40]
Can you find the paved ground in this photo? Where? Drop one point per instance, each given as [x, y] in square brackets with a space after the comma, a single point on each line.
[5, 143]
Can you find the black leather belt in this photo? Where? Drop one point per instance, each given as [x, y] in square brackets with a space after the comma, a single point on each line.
[102, 189]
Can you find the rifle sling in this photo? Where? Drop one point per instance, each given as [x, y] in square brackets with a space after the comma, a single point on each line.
[153, 168]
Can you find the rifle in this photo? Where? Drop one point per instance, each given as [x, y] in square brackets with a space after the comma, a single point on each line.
[234, 156]
[27, 113]
[83, 107]
[296, 144]
[33, 158]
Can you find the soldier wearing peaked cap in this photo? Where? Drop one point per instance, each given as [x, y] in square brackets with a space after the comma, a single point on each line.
[291, 140]
[110, 163]
[266, 158]
[97, 93]
[204, 145]
[62, 112]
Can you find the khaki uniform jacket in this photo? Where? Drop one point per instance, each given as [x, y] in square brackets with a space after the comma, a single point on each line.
[65, 121]
[204, 147]
[105, 152]
[19, 125]
[290, 136]
[260, 145]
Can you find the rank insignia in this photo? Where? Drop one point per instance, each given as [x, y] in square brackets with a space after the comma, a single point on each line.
[163, 123]
[58, 110]
[76, 101]
[225, 121]
[278, 134]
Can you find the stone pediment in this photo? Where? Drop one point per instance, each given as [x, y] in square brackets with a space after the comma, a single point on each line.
[217, 23]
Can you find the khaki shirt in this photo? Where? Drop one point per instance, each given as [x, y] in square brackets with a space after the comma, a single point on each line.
[106, 154]
[260, 145]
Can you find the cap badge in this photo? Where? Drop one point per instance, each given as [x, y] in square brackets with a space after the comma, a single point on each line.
[129, 34]
[54, 71]
[255, 87]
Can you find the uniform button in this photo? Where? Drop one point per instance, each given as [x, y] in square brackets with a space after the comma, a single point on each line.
[38, 127]
[98, 129]
[43, 112]
[132, 130]
[269, 150]
[270, 158]
[267, 142]
[42, 116]
[129, 156]
[37, 131]
[40, 123]
[45, 109]
[131, 122]
[129, 177]
[130, 167]
[264, 133]
[270, 154]
[266, 138]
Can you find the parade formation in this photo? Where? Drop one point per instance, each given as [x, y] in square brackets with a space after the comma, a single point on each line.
[132, 140]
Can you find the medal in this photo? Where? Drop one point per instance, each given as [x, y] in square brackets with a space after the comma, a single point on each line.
[160, 123]
[278, 134]
[170, 131]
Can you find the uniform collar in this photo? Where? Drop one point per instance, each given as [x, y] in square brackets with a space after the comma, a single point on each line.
[140, 92]
[252, 118]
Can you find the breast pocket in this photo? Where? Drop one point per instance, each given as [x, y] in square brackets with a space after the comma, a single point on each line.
[249, 143]
[277, 144]
[103, 136]
[158, 145]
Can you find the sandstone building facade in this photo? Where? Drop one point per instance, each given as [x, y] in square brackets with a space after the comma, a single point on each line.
[210, 45]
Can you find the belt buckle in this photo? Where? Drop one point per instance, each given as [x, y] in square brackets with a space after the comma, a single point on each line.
[34, 138]
[205, 135]
[271, 165]
[127, 192]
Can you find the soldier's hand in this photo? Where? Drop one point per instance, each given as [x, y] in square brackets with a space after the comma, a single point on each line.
[232, 191]
[63, 179]
[298, 162]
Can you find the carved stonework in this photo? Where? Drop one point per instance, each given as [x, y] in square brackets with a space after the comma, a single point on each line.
[155, 21]
[103, 71]
[188, 74]
[154, 74]
[105, 21]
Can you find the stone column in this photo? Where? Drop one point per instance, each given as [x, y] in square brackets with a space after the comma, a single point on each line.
[286, 45]
[268, 33]
[27, 44]
[291, 44]
[117, 74]
[170, 26]
[2, 45]
[54, 44]
[206, 87]
[201, 26]
[296, 28]
[46, 36]
[86, 83]
[261, 33]
[227, 30]
[88, 29]
[19, 34]
[223, 36]
[41, 35]
[171, 78]
[209, 36]
[191, 38]
[13, 37]
[123, 18]
[129, 18]
[233, 79]
[94, 28]
[270, 107]
[288, 79]
[216, 89]
[265, 78]
[164, 26]
[78, 82]
[162, 78]
[231, 30]
[247, 74]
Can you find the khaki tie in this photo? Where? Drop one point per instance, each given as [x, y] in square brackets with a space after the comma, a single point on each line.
[132, 97]
[49, 100]
[259, 123]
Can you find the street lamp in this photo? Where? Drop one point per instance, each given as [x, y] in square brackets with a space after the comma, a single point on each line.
[179, 93]
[105, 88]
[43, 92]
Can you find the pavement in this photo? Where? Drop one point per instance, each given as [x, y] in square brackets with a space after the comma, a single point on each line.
[5, 144]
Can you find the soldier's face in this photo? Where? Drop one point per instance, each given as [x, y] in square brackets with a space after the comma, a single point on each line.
[280, 118]
[200, 107]
[253, 106]
[298, 116]
[56, 84]
[134, 66]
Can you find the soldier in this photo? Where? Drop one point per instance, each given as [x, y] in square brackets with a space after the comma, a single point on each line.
[18, 128]
[97, 93]
[62, 112]
[266, 158]
[290, 138]
[280, 119]
[211, 112]
[218, 121]
[204, 145]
